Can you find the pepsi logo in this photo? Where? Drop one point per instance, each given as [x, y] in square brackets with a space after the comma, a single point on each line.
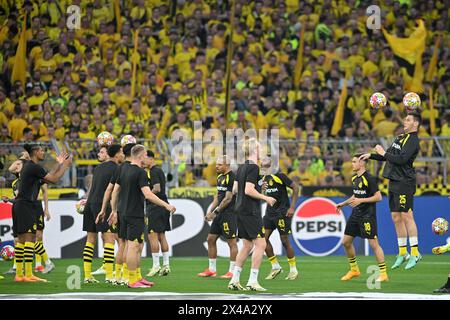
[317, 228]
[6, 223]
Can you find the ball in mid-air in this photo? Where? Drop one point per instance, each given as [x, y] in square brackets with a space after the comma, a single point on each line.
[377, 100]
[127, 139]
[105, 138]
[411, 101]
[79, 206]
[439, 226]
[7, 252]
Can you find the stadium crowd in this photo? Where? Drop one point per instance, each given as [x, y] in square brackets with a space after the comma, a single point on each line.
[79, 82]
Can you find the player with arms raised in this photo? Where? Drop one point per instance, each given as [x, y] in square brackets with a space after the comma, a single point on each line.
[399, 170]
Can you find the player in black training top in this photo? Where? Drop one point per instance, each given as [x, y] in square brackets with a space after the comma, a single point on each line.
[24, 209]
[101, 177]
[279, 216]
[224, 220]
[399, 170]
[132, 183]
[363, 220]
[121, 266]
[158, 217]
[247, 188]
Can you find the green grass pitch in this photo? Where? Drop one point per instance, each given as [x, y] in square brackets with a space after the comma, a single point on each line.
[316, 275]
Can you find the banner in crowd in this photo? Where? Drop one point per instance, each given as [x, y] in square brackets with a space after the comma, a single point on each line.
[317, 229]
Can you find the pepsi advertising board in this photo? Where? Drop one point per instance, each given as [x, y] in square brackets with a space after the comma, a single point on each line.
[6, 224]
[318, 230]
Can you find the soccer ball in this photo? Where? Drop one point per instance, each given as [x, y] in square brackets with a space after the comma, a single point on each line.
[79, 206]
[378, 100]
[7, 252]
[411, 101]
[127, 139]
[439, 226]
[105, 138]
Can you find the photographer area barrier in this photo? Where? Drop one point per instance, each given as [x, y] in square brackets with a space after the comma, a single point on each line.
[316, 228]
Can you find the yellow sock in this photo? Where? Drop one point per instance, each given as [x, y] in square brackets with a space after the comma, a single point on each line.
[138, 274]
[108, 258]
[125, 273]
[273, 260]
[132, 276]
[88, 253]
[402, 251]
[28, 257]
[292, 262]
[40, 253]
[353, 264]
[18, 259]
[382, 267]
[118, 271]
[38, 260]
[415, 251]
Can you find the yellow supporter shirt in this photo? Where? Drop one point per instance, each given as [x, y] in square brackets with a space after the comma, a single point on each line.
[60, 133]
[16, 127]
[385, 128]
[60, 59]
[275, 117]
[304, 179]
[369, 68]
[7, 106]
[288, 134]
[47, 68]
[259, 121]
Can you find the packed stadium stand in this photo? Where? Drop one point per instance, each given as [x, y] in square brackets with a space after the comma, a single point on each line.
[63, 85]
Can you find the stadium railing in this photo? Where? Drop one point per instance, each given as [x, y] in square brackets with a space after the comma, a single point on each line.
[434, 153]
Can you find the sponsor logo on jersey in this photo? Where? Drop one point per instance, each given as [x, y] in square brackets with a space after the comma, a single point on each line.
[396, 146]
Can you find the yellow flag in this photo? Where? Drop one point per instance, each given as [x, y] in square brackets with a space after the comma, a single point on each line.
[228, 66]
[409, 53]
[433, 61]
[134, 58]
[432, 118]
[118, 15]
[19, 70]
[339, 116]
[164, 124]
[299, 64]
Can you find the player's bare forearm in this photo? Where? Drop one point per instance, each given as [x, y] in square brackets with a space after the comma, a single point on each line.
[107, 196]
[346, 202]
[215, 202]
[150, 196]
[225, 202]
[295, 188]
[57, 172]
[45, 196]
[13, 167]
[375, 198]
[114, 197]
[252, 192]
